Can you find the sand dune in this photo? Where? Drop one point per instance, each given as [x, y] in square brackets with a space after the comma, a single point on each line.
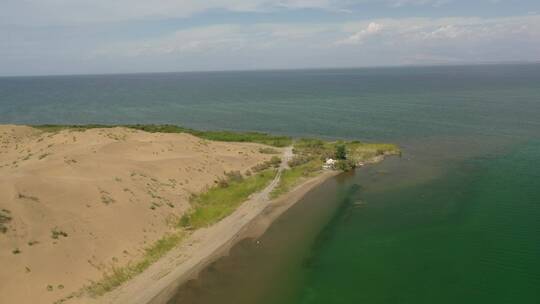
[74, 203]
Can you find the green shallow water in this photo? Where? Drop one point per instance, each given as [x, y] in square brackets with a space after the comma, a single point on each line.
[456, 219]
[470, 235]
[404, 231]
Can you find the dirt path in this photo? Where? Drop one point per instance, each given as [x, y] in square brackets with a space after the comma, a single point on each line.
[264, 195]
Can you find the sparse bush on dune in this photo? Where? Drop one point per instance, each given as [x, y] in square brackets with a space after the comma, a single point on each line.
[27, 197]
[5, 218]
[230, 177]
[56, 233]
[268, 151]
[273, 162]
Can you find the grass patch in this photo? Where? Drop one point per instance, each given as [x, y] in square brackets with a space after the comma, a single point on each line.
[218, 202]
[257, 137]
[294, 176]
[118, 275]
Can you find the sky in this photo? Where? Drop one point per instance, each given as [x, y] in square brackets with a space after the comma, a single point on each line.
[50, 37]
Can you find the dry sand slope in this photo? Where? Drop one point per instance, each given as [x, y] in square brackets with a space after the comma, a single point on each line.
[73, 203]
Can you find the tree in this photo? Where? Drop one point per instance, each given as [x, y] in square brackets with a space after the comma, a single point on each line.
[340, 152]
[345, 165]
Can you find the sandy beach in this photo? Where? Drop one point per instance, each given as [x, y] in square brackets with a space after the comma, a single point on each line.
[76, 204]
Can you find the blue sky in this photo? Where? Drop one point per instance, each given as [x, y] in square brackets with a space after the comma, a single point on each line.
[41, 37]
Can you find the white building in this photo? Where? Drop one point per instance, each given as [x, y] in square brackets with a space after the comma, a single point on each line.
[329, 163]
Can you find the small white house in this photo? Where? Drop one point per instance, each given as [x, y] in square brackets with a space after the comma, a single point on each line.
[329, 163]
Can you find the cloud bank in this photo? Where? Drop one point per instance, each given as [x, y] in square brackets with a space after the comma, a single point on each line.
[83, 36]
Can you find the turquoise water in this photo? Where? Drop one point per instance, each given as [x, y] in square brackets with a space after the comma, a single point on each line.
[455, 219]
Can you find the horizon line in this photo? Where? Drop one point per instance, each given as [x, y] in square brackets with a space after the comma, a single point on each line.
[519, 62]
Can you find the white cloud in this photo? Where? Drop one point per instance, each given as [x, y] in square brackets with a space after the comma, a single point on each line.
[372, 29]
[387, 41]
[462, 35]
[200, 40]
[76, 12]
[401, 3]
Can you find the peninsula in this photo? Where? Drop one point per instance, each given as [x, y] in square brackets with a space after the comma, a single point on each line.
[125, 214]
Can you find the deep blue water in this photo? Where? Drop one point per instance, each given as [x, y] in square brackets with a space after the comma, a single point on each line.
[385, 103]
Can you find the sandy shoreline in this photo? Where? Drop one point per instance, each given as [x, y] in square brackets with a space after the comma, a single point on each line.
[158, 284]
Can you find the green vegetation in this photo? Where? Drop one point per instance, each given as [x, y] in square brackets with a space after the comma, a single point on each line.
[311, 153]
[257, 137]
[118, 275]
[58, 128]
[5, 218]
[307, 149]
[365, 151]
[221, 200]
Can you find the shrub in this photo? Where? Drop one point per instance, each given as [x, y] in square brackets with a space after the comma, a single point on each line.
[230, 177]
[345, 165]
[340, 152]
[4, 219]
[273, 162]
[57, 233]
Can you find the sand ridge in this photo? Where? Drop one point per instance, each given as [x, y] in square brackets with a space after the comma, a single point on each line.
[79, 202]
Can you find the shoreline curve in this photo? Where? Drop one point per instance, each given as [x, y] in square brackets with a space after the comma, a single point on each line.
[159, 282]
